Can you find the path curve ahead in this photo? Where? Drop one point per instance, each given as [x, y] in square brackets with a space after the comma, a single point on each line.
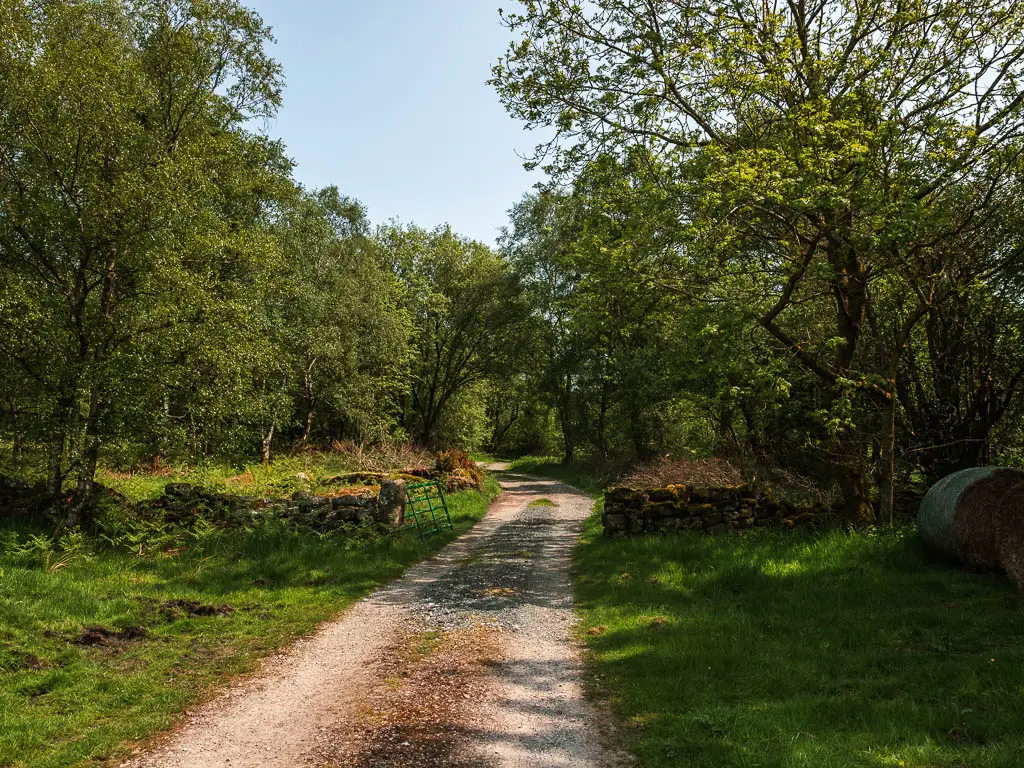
[468, 660]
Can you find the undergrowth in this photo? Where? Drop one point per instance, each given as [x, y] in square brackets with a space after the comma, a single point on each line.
[283, 476]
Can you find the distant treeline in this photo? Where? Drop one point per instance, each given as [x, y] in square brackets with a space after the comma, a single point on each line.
[752, 247]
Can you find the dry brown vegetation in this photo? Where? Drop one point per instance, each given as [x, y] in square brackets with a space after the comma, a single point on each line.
[383, 457]
[672, 470]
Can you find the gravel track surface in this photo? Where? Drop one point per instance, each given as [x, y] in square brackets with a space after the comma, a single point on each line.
[468, 660]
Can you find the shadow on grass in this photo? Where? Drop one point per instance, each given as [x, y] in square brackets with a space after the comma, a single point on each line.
[830, 649]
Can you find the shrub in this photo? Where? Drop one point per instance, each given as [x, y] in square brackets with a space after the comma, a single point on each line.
[458, 470]
[47, 552]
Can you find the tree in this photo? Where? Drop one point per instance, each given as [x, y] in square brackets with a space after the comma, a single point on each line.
[128, 186]
[335, 317]
[468, 315]
[577, 251]
[536, 246]
[828, 149]
[963, 374]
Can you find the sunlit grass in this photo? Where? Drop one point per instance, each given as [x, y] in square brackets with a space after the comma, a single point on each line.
[815, 650]
[280, 477]
[542, 503]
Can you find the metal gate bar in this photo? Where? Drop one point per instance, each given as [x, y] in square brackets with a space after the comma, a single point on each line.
[426, 509]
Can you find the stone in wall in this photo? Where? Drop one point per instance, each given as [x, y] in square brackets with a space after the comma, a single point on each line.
[391, 504]
[185, 504]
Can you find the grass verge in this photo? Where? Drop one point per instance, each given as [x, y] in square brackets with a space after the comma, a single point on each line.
[577, 474]
[802, 650]
[103, 649]
[281, 477]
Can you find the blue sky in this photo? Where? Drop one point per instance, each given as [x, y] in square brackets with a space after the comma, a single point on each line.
[388, 100]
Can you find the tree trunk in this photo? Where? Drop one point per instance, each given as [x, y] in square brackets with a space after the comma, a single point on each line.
[857, 507]
[55, 476]
[570, 453]
[428, 427]
[755, 438]
[309, 425]
[63, 444]
[568, 430]
[76, 511]
[17, 438]
[887, 464]
[500, 430]
[637, 433]
[311, 399]
[159, 442]
[602, 422]
[268, 440]
[726, 416]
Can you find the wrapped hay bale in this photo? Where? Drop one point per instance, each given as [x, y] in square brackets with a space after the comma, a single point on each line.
[959, 515]
[1010, 534]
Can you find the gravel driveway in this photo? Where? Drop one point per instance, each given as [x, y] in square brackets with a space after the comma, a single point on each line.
[468, 660]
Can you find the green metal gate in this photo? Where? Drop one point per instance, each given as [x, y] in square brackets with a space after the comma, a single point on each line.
[426, 510]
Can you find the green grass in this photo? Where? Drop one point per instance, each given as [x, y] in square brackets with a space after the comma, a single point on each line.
[816, 650]
[542, 503]
[67, 704]
[253, 478]
[281, 477]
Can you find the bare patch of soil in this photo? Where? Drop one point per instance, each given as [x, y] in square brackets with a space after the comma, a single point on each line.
[177, 609]
[96, 635]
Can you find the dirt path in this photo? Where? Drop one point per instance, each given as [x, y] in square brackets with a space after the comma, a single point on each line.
[466, 661]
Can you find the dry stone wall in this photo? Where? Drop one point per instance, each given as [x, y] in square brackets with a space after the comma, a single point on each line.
[634, 511]
[18, 499]
[183, 503]
[186, 504]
